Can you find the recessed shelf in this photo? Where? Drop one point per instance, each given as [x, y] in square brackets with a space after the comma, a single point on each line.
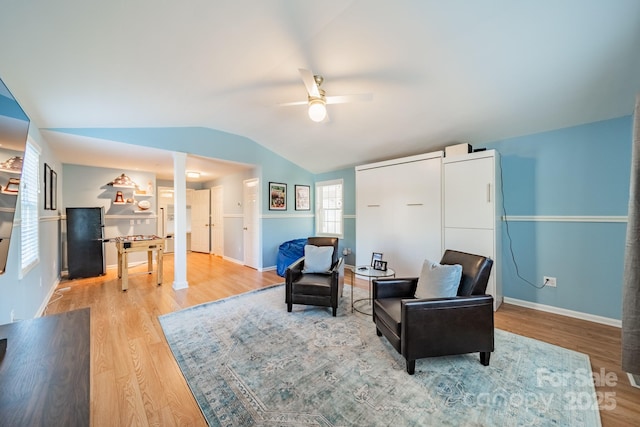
[120, 203]
[142, 194]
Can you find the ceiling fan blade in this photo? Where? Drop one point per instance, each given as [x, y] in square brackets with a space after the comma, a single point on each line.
[287, 104]
[309, 82]
[342, 99]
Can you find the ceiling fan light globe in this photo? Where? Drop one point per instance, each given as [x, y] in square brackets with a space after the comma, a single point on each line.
[317, 111]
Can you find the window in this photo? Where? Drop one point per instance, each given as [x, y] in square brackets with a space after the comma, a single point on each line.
[329, 208]
[29, 181]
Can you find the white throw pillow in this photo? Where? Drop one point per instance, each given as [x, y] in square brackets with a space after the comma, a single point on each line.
[438, 281]
[317, 259]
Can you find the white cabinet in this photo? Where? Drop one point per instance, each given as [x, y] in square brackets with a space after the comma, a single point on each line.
[471, 209]
[399, 211]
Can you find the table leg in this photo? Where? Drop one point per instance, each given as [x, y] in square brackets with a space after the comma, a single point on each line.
[125, 272]
[150, 261]
[160, 258]
[119, 263]
[352, 285]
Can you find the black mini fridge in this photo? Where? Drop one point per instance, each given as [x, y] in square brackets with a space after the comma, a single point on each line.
[85, 242]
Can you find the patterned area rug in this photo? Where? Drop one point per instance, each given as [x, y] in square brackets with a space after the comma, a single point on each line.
[249, 362]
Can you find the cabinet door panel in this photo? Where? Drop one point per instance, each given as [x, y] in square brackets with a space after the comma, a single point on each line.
[469, 193]
[474, 241]
[417, 221]
[373, 212]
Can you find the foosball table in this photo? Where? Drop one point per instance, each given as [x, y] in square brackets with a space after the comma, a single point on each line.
[138, 243]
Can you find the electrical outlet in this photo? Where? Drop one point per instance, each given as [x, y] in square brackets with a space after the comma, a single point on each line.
[13, 316]
[549, 281]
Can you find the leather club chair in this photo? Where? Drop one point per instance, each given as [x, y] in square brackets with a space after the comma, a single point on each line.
[419, 328]
[322, 289]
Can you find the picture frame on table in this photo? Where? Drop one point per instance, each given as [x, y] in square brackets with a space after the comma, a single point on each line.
[47, 186]
[277, 196]
[380, 265]
[376, 256]
[303, 197]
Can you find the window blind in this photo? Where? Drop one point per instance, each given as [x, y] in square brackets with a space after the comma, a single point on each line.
[29, 186]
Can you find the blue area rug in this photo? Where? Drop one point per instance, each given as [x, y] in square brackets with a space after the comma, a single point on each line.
[249, 362]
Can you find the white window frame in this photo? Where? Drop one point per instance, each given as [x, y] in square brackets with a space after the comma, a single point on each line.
[323, 212]
[29, 209]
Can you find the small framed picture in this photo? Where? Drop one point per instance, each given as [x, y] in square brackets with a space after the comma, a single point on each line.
[47, 187]
[376, 256]
[54, 190]
[302, 197]
[380, 265]
[277, 196]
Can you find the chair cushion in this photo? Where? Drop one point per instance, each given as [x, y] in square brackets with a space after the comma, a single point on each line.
[317, 259]
[438, 281]
[313, 284]
[389, 311]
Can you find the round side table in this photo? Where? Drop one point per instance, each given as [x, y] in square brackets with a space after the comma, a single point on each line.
[370, 273]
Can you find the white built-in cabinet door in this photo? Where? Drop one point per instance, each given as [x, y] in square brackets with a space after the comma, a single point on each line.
[471, 210]
[469, 193]
[374, 214]
[417, 213]
[398, 210]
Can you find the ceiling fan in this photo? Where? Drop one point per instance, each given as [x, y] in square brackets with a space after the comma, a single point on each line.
[317, 99]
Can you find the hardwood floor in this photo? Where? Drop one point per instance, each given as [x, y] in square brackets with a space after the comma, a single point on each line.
[135, 380]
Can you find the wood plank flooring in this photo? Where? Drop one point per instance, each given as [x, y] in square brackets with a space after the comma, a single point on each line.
[135, 380]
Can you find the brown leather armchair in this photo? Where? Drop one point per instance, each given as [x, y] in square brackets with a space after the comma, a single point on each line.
[419, 328]
[323, 289]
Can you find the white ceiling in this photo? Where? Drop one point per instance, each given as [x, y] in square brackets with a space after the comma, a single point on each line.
[440, 72]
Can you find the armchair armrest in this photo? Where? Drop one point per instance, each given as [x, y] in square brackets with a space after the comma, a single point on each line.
[337, 267]
[294, 270]
[451, 302]
[394, 288]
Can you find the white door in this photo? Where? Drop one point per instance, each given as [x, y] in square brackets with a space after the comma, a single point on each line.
[251, 224]
[217, 221]
[200, 221]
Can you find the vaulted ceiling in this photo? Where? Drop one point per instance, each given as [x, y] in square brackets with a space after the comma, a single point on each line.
[439, 72]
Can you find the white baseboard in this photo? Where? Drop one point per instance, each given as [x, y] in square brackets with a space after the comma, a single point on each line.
[271, 268]
[235, 261]
[45, 303]
[564, 312]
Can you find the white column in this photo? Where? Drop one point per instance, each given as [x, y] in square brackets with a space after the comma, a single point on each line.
[180, 221]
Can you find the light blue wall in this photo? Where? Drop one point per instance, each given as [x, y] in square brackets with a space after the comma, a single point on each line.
[572, 172]
[27, 296]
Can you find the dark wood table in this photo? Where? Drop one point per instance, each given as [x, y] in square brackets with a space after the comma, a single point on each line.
[44, 377]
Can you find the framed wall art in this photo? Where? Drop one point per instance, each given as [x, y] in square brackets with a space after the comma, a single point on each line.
[303, 197]
[277, 196]
[53, 195]
[47, 186]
